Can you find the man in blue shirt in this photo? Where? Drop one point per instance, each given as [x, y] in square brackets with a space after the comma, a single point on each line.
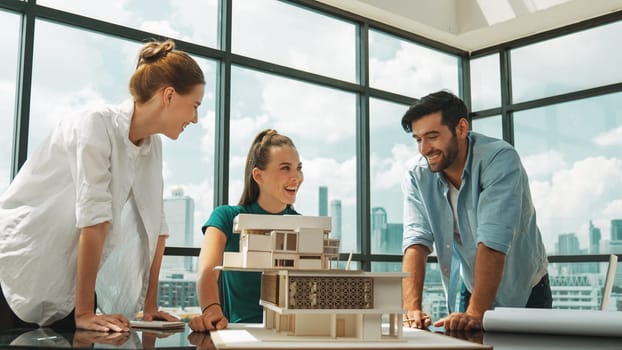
[467, 195]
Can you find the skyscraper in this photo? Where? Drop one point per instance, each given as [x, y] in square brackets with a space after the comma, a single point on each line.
[323, 201]
[594, 246]
[386, 237]
[393, 238]
[616, 230]
[594, 239]
[378, 229]
[179, 212]
[335, 213]
[567, 244]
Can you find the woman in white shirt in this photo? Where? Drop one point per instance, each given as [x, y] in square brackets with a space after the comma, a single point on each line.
[84, 215]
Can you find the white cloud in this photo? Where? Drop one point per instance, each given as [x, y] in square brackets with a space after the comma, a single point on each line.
[7, 108]
[304, 111]
[4, 181]
[206, 123]
[163, 27]
[235, 189]
[50, 106]
[339, 177]
[414, 71]
[243, 131]
[388, 173]
[304, 38]
[9, 27]
[609, 138]
[198, 18]
[113, 11]
[614, 209]
[544, 164]
[590, 189]
[560, 65]
[385, 114]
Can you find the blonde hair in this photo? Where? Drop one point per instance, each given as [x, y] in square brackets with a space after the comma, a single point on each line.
[160, 65]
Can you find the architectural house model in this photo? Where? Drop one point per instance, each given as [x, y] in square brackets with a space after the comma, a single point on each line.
[301, 294]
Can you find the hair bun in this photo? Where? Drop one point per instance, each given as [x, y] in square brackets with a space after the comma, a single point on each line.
[155, 50]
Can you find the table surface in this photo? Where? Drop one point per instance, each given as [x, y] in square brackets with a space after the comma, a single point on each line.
[185, 338]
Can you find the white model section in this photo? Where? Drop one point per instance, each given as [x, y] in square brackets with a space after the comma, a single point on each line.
[283, 242]
[301, 295]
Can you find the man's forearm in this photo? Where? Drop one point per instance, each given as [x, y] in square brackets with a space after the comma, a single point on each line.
[489, 265]
[412, 286]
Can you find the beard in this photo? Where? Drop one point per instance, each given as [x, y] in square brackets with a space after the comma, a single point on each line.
[448, 156]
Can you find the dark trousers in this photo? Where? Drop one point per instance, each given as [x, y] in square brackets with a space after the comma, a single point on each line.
[540, 297]
[9, 320]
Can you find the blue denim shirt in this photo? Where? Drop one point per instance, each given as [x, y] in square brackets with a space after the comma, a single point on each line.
[494, 208]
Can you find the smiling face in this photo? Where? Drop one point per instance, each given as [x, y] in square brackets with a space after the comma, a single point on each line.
[181, 110]
[280, 180]
[444, 150]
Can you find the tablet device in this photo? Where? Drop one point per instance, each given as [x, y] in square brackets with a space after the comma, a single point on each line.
[157, 324]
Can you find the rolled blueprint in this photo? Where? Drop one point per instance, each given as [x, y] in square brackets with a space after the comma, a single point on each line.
[554, 321]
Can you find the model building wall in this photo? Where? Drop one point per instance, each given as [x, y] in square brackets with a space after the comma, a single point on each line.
[318, 292]
[330, 292]
[270, 288]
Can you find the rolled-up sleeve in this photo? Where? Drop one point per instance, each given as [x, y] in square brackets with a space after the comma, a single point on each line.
[93, 173]
[499, 204]
[416, 225]
[163, 223]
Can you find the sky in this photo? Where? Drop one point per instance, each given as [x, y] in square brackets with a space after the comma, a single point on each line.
[571, 151]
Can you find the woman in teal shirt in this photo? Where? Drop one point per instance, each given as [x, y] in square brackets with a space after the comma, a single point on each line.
[272, 178]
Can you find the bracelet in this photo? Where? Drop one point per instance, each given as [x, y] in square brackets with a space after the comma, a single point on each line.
[208, 306]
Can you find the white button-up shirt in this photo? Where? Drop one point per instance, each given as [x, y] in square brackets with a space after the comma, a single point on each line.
[86, 172]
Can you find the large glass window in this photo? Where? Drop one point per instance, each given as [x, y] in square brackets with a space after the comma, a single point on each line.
[489, 126]
[293, 36]
[390, 150]
[575, 170]
[580, 286]
[573, 62]
[320, 121]
[191, 20]
[433, 301]
[99, 73]
[409, 69]
[485, 82]
[9, 24]
[570, 150]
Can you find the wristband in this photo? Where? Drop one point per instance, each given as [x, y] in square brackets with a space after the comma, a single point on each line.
[208, 306]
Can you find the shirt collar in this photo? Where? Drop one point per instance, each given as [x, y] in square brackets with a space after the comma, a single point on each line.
[469, 159]
[124, 119]
[255, 207]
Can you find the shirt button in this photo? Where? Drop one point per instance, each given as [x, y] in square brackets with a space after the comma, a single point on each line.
[447, 246]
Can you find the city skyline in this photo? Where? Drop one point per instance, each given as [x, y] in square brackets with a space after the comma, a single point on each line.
[381, 227]
[574, 285]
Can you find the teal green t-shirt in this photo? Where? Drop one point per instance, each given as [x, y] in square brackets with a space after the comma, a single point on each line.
[239, 291]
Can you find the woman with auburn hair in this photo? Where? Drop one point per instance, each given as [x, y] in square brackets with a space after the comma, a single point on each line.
[90, 197]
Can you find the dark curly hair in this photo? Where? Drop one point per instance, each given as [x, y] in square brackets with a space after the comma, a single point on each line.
[452, 107]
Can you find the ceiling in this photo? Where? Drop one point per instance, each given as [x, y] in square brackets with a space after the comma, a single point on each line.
[475, 24]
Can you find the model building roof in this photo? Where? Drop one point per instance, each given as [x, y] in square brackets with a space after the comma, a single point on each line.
[280, 222]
